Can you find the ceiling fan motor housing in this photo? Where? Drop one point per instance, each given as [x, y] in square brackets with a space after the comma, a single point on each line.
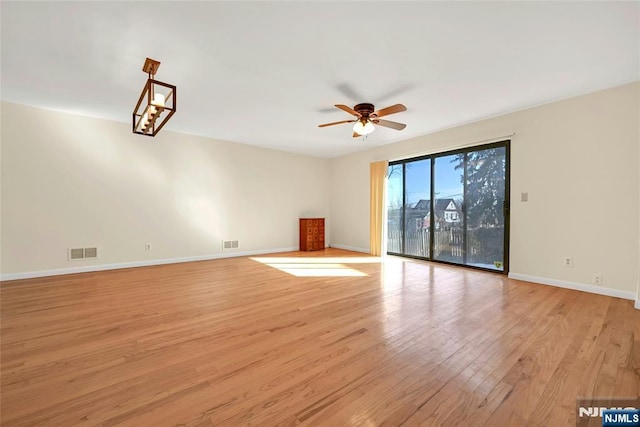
[364, 109]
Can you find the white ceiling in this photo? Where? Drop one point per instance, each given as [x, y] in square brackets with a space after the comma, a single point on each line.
[267, 73]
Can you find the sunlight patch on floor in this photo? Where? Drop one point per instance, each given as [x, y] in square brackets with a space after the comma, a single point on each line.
[316, 266]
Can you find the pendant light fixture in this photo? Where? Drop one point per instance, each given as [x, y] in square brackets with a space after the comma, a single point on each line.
[156, 105]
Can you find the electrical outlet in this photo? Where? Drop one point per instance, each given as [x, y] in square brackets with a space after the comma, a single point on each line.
[568, 261]
[597, 279]
[148, 247]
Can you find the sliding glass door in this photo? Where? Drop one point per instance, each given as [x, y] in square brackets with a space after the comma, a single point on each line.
[448, 187]
[451, 207]
[417, 178]
[486, 207]
[395, 208]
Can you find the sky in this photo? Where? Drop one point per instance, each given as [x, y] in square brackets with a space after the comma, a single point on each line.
[418, 178]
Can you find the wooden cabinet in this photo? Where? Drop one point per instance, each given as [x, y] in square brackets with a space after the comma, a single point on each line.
[311, 234]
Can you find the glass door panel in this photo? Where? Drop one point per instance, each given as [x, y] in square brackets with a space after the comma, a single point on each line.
[485, 208]
[417, 208]
[395, 208]
[448, 186]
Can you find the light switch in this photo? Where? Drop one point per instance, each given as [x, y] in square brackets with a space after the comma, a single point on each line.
[524, 197]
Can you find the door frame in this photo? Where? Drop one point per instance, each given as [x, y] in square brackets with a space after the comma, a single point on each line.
[505, 208]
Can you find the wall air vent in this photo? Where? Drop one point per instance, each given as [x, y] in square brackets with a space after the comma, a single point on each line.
[91, 252]
[82, 253]
[229, 244]
[76, 253]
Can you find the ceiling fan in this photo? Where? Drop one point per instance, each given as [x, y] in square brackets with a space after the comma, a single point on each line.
[366, 117]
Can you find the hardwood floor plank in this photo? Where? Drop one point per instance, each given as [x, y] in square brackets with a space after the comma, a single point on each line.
[240, 341]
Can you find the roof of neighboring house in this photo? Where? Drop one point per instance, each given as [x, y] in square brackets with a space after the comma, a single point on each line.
[441, 204]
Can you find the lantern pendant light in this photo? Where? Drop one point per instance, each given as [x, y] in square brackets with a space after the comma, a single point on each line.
[156, 105]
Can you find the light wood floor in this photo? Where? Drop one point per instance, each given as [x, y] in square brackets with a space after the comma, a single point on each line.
[240, 342]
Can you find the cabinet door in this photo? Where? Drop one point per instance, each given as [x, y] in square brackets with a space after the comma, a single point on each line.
[311, 234]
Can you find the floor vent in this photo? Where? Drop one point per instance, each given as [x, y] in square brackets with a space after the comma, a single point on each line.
[82, 253]
[229, 244]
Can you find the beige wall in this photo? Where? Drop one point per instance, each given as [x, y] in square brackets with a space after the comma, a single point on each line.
[578, 160]
[72, 181]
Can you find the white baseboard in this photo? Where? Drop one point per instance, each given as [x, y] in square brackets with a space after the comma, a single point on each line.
[145, 263]
[350, 248]
[578, 287]
[637, 304]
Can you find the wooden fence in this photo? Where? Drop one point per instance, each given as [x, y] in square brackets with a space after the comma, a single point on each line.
[484, 245]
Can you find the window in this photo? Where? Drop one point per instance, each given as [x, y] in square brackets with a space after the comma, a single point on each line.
[462, 196]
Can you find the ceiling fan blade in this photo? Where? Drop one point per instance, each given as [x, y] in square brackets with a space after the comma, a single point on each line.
[390, 110]
[336, 123]
[348, 110]
[355, 135]
[390, 124]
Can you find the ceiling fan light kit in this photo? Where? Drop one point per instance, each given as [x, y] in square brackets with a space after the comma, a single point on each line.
[367, 118]
[363, 127]
[156, 105]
